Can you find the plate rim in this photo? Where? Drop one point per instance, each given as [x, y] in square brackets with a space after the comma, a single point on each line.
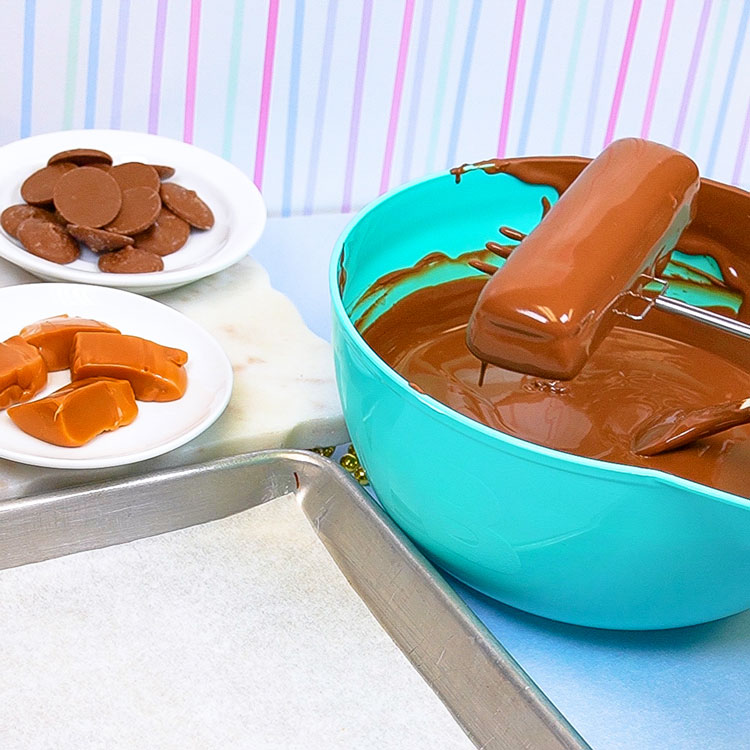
[154, 282]
[221, 361]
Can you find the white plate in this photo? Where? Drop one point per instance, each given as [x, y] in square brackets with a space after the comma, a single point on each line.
[159, 426]
[237, 205]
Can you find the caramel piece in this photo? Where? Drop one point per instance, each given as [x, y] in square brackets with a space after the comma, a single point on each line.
[156, 372]
[22, 371]
[167, 235]
[130, 260]
[139, 209]
[99, 240]
[135, 174]
[13, 216]
[38, 188]
[78, 412]
[187, 205]
[88, 197]
[53, 337]
[556, 297]
[82, 157]
[47, 240]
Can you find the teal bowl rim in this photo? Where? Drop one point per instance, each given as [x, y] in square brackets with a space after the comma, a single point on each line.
[471, 427]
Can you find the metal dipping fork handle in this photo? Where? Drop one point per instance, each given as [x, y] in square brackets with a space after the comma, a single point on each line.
[729, 325]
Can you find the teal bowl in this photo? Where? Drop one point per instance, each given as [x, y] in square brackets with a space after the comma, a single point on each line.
[565, 537]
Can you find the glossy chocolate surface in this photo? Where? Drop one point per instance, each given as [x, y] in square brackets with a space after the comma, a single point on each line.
[638, 372]
[559, 293]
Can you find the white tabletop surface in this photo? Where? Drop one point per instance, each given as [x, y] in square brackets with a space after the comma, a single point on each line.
[681, 689]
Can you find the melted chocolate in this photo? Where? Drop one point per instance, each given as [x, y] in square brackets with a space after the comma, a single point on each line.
[638, 372]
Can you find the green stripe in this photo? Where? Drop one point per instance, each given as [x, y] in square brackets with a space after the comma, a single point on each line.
[71, 69]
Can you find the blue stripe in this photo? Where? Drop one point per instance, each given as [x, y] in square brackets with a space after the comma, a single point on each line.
[567, 92]
[93, 66]
[293, 106]
[233, 77]
[416, 90]
[28, 66]
[536, 66]
[120, 53]
[320, 106]
[597, 77]
[728, 84]
[463, 79]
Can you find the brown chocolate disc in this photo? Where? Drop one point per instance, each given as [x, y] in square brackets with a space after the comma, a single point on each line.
[134, 174]
[38, 188]
[14, 216]
[163, 171]
[140, 207]
[47, 240]
[81, 157]
[187, 205]
[99, 240]
[130, 260]
[88, 197]
[168, 234]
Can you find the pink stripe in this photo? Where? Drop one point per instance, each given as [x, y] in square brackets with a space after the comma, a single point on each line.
[192, 70]
[655, 75]
[398, 88]
[623, 72]
[265, 92]
[510, 78]
[740, 160]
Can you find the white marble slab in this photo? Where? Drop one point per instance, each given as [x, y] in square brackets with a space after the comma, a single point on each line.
[284, 391]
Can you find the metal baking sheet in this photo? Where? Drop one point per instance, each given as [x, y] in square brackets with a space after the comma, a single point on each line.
[493, 700]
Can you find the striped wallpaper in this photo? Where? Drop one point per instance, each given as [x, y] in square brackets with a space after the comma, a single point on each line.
[327, 103]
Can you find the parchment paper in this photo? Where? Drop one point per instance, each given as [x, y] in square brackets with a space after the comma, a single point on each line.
[241, 633]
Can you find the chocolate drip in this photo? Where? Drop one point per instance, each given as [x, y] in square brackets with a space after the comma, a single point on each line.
[480, 265]
[512, 234]
[503, 251]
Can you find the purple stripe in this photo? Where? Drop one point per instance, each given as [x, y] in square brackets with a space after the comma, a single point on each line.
[700, 35]
[596, 80]
[359, 79]
[740, 160]
[416, 89]
[156, 67]
[320, 106]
